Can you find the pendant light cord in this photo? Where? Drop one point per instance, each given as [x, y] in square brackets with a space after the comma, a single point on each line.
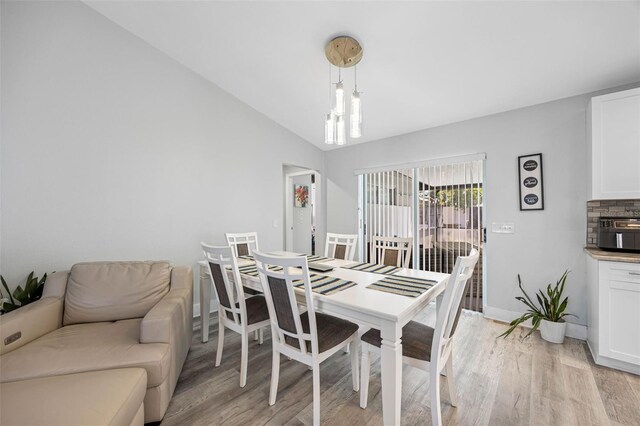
[330, 84]
[355, 77]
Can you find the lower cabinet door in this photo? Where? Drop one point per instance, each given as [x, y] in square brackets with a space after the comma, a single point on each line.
[620, 311]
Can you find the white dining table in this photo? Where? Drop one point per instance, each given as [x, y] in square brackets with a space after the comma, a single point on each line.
[367, 307]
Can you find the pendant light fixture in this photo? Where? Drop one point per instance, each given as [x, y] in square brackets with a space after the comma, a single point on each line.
[343, 52]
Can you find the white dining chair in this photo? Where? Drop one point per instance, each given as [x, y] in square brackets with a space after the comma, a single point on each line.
[243, 243]
[341, 246]
[308, 337]
[424, 347]
[235, 311]
[391, 251]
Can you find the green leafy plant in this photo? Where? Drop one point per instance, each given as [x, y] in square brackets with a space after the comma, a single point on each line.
[32, 291]
[550, 306]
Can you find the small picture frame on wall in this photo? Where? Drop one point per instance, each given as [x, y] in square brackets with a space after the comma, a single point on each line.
[300, 196]
[530, 182]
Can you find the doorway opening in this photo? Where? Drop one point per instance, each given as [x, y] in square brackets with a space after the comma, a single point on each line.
[300, 197]
[439, 205]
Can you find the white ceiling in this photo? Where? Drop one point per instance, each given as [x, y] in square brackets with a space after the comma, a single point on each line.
[425, 63]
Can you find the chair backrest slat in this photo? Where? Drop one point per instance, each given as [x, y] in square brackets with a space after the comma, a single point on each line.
[391, 251]
[449, 312]
[244, 243]
[284, 311]
[229, 293]
[341, 246]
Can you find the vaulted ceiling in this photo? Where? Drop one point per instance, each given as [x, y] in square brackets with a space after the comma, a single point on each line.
[425, 63]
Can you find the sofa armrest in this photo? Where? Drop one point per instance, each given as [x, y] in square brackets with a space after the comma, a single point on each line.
[26, 324]
[170, 320]
[56, 285]
[181, 277]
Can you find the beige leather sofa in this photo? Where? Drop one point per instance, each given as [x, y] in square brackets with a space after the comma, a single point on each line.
[104, 316]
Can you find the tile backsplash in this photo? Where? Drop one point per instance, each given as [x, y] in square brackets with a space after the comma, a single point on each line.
[608, 208]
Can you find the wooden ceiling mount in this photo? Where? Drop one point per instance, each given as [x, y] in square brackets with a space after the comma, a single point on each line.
[343, 51]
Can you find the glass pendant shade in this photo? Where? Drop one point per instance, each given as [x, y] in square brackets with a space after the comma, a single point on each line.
[355, 122]
[340, 131]
[339, 99]
[330, 129]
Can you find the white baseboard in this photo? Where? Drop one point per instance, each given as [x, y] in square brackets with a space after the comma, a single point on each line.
[577, 331]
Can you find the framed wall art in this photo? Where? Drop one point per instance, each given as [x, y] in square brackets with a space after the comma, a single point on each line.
[300, 196]
[530, 182]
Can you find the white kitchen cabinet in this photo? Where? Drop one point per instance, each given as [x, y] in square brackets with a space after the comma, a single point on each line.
[614, 148]
[614, 314]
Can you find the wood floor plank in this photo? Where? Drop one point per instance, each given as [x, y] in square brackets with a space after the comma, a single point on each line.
[512, 402]
[617, 394]
[583, 396]
[500, 382]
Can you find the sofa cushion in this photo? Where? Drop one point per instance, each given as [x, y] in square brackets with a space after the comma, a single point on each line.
[111, 291]
[111, 397]
[88, 347]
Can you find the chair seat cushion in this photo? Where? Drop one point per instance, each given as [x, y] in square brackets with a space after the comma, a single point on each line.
[88, 347]
[416, 340]
[112, 397]
[257, 310]
[331, 330]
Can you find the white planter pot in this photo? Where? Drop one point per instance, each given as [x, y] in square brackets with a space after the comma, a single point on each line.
[553, 331]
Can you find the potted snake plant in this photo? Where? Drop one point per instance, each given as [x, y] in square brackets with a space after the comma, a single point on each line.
[547, 314]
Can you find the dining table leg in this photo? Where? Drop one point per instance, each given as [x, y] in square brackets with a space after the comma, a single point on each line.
[391, 366]
[205, 302]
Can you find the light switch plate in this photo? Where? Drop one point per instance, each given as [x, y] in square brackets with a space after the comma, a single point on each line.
[503, 228]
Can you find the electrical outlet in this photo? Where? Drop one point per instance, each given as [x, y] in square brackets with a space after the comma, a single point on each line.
[503, 228]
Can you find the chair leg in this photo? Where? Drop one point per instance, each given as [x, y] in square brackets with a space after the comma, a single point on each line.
[453, 396]
[261, 336]
[436, 415]
[220, 340]
[255, 335]
[244, 359]
[316, 393]
[275, 373]
[364, 374]
[355, 358]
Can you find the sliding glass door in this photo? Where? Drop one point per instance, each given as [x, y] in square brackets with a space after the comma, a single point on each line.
[439, 205]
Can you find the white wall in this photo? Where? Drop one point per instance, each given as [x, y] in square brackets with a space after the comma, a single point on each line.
[546, 242]
[112, 150]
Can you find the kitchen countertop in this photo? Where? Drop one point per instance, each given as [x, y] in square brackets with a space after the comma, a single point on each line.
[612, 256]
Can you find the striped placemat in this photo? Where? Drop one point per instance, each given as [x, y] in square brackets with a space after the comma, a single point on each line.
[375, 268]
[316, 258]
[310, 258]
[405, 286]
[326, 285]
[252, 269]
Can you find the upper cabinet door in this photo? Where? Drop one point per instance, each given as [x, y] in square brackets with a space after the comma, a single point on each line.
[615, 146]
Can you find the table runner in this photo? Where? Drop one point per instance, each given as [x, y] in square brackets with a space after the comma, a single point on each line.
[374, 268]
[404, 286]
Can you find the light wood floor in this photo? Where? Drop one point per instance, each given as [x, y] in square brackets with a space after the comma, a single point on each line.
[500, 382]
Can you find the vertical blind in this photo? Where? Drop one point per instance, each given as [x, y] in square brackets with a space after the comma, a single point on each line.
[438, 206]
